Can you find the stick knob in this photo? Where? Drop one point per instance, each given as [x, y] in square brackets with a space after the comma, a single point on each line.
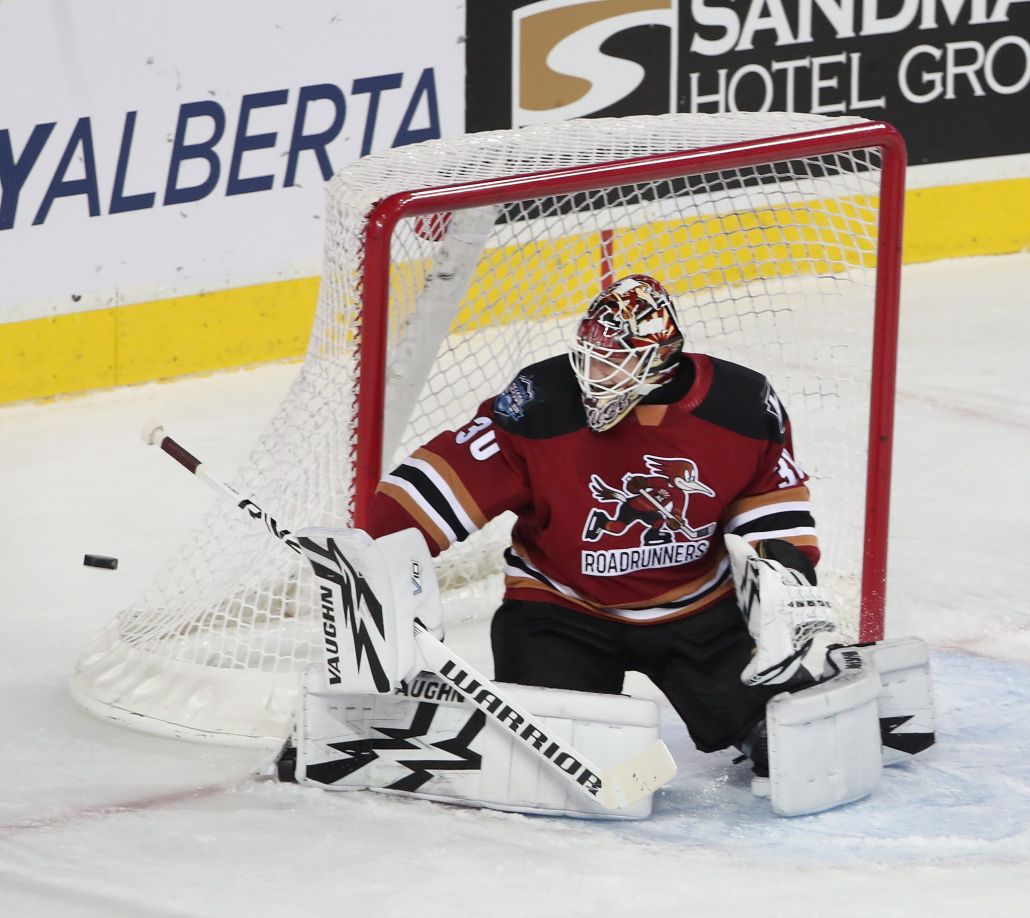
[153, 433]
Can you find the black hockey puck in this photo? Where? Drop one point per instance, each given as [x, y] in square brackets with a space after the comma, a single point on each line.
[101, 561]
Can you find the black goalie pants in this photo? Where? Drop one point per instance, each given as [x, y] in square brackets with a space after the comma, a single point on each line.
[696, 662]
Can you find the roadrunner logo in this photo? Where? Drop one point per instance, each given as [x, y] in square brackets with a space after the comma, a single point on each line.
[654, 504]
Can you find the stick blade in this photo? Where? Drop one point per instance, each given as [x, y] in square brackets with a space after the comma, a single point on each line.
[625, 784]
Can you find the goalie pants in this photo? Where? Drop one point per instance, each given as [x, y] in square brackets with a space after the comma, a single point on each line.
[696, 662]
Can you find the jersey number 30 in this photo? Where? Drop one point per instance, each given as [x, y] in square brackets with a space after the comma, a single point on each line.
[480, 437]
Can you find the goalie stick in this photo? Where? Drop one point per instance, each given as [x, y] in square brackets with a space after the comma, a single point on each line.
[614, 788]
[675, 523]
[154, 435]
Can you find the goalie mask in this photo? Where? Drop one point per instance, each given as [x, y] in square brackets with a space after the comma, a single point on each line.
[626, 346]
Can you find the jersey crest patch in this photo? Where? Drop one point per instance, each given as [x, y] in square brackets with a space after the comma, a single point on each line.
[512, 401]
[652, 503]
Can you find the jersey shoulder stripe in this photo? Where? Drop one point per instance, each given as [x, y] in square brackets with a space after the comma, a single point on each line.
[742, 400]
[542, 401]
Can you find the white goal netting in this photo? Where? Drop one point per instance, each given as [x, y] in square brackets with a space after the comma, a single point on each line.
[773, 265]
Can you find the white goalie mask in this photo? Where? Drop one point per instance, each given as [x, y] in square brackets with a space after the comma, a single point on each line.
[626, 346]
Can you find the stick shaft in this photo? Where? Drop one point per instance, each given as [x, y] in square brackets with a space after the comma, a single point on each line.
[193, 465]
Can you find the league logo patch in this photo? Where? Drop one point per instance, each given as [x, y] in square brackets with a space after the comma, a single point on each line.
[775, 407]
[656, 502]
[512, 401]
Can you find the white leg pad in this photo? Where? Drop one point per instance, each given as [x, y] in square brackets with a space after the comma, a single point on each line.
[824, 741]
[908, 719]
[427, 741]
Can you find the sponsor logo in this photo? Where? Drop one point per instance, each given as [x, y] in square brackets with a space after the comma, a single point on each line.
[531, 734]
[430, 689]
[574, 59]
[344, 593]
[912, 742]
[810, 604]
[852, 658]
[409, 748]
[416, 578]
[212, 148]
[255, 512]
[332, 647]
[599, 416]
[918, 62]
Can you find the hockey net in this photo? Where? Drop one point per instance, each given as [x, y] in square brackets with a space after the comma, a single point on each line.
[451, 264]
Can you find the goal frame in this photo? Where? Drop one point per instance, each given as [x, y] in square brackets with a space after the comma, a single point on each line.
[388, 212]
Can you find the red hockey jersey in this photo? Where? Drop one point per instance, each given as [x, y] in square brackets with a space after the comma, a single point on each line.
[627, 523]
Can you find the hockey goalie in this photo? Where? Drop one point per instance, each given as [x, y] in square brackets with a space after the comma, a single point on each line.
[663, 526]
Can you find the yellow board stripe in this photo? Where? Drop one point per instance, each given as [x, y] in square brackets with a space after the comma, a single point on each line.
[103, 348]
[255, 324]
[982, 218]
[825, 237]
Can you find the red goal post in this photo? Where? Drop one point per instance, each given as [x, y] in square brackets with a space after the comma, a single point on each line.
[388, 213]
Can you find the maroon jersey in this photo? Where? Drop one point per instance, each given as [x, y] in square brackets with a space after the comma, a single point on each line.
[626, 523]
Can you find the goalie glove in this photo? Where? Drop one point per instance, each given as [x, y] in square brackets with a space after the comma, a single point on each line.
[793, 623]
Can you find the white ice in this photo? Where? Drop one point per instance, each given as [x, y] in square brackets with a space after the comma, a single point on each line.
[97, 820]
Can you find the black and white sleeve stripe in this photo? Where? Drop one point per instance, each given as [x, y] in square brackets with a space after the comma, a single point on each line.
[434, 496]
[774, 521]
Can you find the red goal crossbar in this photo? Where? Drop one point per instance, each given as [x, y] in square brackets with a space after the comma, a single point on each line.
[870, 135]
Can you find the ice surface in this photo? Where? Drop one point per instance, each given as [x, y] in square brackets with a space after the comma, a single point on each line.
[96, 820]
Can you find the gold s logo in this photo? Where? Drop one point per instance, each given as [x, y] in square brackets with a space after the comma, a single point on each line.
[573, 58]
